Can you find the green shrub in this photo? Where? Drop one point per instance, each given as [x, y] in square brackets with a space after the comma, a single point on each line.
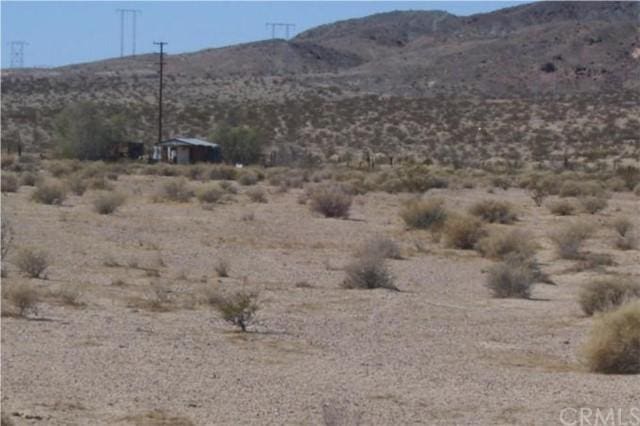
[239, 144]
[331, 201]
[368, 272]
[32, 262]
[501, 244]
[463, 232]
[108, 202]
[614, 343]
[607, 293]
[494, 211]
[238, 309]
[425, 214]
[49, 193]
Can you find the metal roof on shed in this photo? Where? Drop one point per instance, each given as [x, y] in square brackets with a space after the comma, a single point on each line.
[188, 141]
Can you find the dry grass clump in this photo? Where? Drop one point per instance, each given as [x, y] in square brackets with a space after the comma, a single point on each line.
[593, 205]
[239, 309]
[368, 272]
[77, 184]
[71, 296]
[572, 188]
[223, 172]
[511, 278]
[210, 194]
[381, 247]
[31, 261]
[494, 211]
[23, 297]
[500, 244]
[176, 190]
[606, 294]
[614, 343]
[49, 193]
[99, 183]
[463, 232]
[9, 182]
[561, 207]
[248, 179]
[630, 175]
[257, 195]
[29, 179]
[569, 240]
[331, 201]
[108, 202]
[425, 214]
[626, 237]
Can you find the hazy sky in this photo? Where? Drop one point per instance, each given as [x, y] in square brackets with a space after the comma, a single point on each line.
[61, 33]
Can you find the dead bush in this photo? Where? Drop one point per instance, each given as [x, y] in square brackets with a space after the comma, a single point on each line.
[331, 201]
[222, 268]
[257, 195]
[49, 193]
[368, 272]
[176, 190]
[561, 207]
[463, 232]
[210, 194]
[425, 214]
[77, 184]
[494, 211]
[593, 205]
[569, 240]
[24, 298]
[606, 294]
[29, 179]
[626, 238]
[381, 247]
[239, 309]
[32, 262]
[613, 346]
[510, 279]
[500, 244]
[9, 182]
[108, 202]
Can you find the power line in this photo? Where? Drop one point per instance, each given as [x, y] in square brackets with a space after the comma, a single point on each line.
[133, 13]
[274, 25]
[161, 44]
[17, 53]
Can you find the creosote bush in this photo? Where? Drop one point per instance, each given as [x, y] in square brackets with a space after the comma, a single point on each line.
[511, 278]
[331, 201]
[463, 232]
[49, 193]
[77, 184]
[593, 205]
[23, 297]
[569, 240]
[428, 214]
[500, 244]
[32, 262]
[606, 294]
[176, 190]
[614, 343]
[210, 194]
[494, 211]
[368, 272]
[239, 309]
[108, 202]
[257, 195]
[626, 236]
[561, 207]
[29, 179]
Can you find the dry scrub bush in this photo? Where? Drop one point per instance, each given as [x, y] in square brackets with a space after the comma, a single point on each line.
[176, 190]
[222, 268]
[257, 195]
[626, 238]
[569, 240]
[9, 182]
[613, 346]
[108, 202]
[223, 173]
[248, 179]
[381, 247]
[238, 309]
[331, 201]
[29, 179]
[24, 298]
[572, 188]
[593, 205]
[500, 244]
[210, 194]
[77, 184]
[622, 226]
[71, 296]
[463, 232]
[49, 193]
[494, 211]
[512, 278]
[31, 261]
[425, 214]
[630, 175]
[561, 207]
[636, 190]
[606, 294]
[368, 272]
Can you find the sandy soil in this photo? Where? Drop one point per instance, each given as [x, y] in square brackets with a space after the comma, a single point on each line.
[440, 351]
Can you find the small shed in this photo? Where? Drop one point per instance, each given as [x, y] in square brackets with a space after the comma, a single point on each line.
[186, 151]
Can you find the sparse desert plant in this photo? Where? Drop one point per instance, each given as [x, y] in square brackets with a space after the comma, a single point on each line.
[613, 346]
[331, 201]
[77, 184]
[228, 186]
[71, 295]
[223, 172]
[501, 244]
[425, 214]
[257, 195]
[494, 211]
[9, 182]
[593, 205]
[368, 272]
[159, 297]
[24, 297]
[99, 183]
[510, 279]
[630, 175]
[6, 233]
[569, 240]
[463, 232]
[622, 226]
[605, 294]
[108, 202]
[31, 261]
[626, 236]
[210, 194]
[538, 194]
[176, 190]
[248, 179]
[572, 188]
[381, 247]
[561, 207]
[49, 193]
[239, 309]
[222, 268]
[29, 179]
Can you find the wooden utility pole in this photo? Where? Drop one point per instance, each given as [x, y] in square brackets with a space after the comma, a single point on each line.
[161, 44]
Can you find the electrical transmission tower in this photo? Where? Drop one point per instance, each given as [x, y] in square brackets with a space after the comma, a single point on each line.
[133, 13]
[17, 53]
[274, 25]
[161, 44]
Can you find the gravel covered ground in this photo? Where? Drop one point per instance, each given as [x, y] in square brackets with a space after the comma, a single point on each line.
[439, 351]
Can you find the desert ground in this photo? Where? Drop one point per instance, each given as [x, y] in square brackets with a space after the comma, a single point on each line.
[121, 331]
